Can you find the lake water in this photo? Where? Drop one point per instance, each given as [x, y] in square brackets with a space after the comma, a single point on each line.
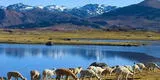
[24, 57]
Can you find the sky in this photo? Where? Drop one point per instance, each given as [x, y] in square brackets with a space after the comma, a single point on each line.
[70, 3]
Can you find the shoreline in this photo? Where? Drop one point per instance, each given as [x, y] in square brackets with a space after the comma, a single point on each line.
[83, 43]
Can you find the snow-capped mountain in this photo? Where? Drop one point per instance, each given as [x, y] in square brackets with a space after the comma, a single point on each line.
[55, 8]
[97, 9]
[90, 10]
[19, 7]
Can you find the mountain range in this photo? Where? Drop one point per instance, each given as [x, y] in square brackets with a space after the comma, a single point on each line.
[25, 16]
[87, 10]
[142, 16]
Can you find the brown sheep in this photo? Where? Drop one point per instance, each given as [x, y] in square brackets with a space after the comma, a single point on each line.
[65, 72]
[16, 75]
[35, 75]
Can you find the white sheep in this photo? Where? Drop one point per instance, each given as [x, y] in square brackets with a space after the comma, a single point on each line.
[47, 74]
[16, 75]
[151, 66]
[76, 70]
[136, 68]
[35, 75]
[122, 71]
[141, 66]
[108, 70]
[130, 68]
[97, 70]
[88, 73]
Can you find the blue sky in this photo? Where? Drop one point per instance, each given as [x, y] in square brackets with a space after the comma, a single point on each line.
[70, 3]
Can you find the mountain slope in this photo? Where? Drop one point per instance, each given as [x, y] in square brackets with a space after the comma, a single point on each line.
[135, 16]
[151, 3]
[37, 18]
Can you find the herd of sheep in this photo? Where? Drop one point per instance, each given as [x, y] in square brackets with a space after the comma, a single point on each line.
[97, 70]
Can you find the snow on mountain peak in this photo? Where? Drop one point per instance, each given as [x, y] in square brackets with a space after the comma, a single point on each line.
[2, 7]
[55, 7]
[41, 7]
[20, 7]
[97, 8]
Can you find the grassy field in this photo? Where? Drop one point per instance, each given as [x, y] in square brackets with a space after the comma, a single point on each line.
[65, 37]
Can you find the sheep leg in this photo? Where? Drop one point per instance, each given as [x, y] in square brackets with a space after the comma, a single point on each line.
[82, 78]
[118, 78]
[16, 78]
[58, 77]
[9, 78]
[154, 69]
[50, 77]
[44, 77]
[67, 78]
[110, 73]
[127, 77]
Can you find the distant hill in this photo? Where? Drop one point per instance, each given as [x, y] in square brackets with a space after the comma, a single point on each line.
[151, 3]
[142, 16]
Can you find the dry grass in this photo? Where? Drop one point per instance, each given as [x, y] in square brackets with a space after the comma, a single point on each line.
[57, 37]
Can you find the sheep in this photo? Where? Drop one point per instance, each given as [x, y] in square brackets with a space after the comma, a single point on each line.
[16, 75]
[97, 64]
[35, 75]
[64, 72]
[121, 70]
[151, 66]
[47, 74]
[136, 68]
[76, 70]
[108, 70]
[97, 70]
[141, 66]
[130, 68]
[89, 74]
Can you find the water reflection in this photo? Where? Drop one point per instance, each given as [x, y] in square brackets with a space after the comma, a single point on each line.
[58, 52]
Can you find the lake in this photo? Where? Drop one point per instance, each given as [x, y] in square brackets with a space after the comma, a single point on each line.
[26, 57]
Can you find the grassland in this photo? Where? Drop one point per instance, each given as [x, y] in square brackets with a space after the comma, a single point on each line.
[67, 37]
